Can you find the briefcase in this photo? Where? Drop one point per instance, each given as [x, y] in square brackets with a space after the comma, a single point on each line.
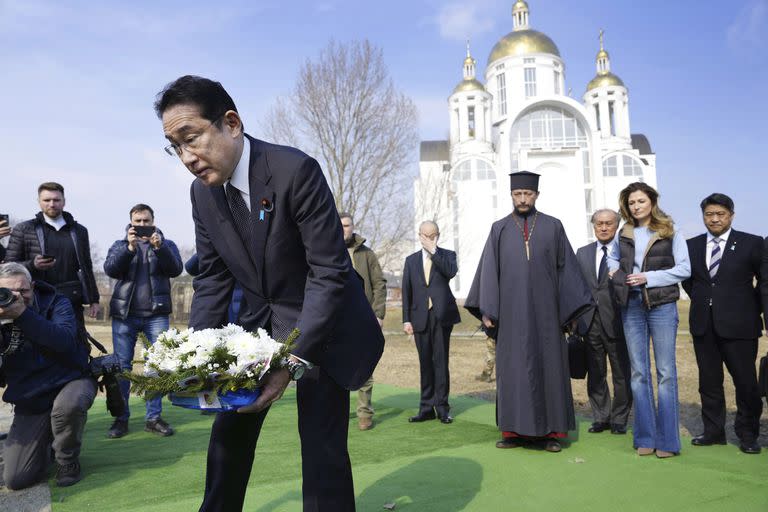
[762, 376]
[577, 356]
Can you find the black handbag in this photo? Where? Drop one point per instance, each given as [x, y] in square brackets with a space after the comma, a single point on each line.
[762, 376]
[577, 356]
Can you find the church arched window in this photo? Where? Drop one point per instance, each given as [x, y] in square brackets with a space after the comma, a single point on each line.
[548, 127]
[632, 166]
[485, 171]
[463, 171]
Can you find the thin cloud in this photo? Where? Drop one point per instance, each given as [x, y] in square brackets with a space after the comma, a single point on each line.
[750, 28]
[460, 20]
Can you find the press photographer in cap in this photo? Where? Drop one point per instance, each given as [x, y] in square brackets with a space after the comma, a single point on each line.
[44, 367]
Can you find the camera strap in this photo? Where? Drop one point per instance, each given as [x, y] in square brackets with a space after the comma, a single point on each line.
[15, 343]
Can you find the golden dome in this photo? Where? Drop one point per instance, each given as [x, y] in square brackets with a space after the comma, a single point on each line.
[522, 42]
[520, 5]
[604, 80]
[602, 54]
[469, 61]
[469, 85]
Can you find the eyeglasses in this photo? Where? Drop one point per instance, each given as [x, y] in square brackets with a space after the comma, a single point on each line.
[431, 237]
[193, 141]
[22, 291]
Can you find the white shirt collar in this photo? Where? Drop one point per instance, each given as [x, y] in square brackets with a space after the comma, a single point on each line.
[425, 254]
[723, 237]
[56, 223]
[240, 176]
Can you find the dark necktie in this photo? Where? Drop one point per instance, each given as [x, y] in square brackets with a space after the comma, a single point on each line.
[525, 229]
[603, 264]
[714, 260]
[241, 215]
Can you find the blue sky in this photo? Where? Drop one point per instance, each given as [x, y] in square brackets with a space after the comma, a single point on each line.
[79, 79]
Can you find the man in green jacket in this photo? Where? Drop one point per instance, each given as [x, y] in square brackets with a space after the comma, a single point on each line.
[366, 264]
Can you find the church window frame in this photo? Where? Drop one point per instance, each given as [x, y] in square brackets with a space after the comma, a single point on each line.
[610, 166]
[548, 127]
[501, 90]
[530, 82]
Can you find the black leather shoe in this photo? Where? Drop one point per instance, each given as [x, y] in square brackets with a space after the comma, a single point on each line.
[159, 427]
[553, 446]
[422, 416]
[446, 419]
[705, 440]
[599, 426]
[508, 442]
[750, 447]
[618, 429]
[68, 474]
[118, 429]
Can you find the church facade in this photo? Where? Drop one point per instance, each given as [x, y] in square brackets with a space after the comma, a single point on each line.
[521, 117]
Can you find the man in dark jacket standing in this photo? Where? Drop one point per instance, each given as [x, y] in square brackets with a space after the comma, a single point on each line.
[366, 264]
[44, 366]
[429, 314]
[141, 302]
[725, 321]
[56, 249]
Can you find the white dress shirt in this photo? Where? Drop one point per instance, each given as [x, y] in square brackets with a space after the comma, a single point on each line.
[241, 175]
[612, 261]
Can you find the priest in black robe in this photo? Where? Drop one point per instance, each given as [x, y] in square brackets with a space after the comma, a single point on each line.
[528, 289]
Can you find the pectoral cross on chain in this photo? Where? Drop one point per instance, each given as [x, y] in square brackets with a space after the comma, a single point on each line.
[527, 234]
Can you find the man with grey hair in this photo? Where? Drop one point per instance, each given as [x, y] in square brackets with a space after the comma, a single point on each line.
[429, 314]
[603, 331]
[44, 368]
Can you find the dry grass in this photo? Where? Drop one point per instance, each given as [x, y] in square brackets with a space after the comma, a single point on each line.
[399, 366]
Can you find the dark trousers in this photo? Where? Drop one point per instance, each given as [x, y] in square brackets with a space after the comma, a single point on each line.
[432, 345]
[32, 436]
[598, 347]
[323, 408]
[712, 351]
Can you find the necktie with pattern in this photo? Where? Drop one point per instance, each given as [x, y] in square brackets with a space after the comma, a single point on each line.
[714, 259]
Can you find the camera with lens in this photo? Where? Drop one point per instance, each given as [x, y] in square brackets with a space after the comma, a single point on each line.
[105, 370]
[6, 297]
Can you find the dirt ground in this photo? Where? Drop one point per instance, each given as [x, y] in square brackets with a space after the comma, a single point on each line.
[399, 366]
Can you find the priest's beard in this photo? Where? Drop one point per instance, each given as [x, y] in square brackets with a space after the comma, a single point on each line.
[525, 214]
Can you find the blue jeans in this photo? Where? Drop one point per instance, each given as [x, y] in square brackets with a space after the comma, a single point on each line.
[124, 333]
[653, 428]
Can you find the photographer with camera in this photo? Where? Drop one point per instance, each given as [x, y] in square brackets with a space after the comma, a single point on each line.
[143, 263]
[5, 230]
[44, 366]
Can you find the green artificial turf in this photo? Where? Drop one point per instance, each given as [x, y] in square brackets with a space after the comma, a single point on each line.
[419, 467]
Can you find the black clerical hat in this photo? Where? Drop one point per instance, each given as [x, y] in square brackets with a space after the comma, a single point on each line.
[524, 180]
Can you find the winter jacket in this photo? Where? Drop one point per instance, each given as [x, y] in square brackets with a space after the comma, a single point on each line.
[121, 264]
[366, 264]
[50, 357]
[27, 241]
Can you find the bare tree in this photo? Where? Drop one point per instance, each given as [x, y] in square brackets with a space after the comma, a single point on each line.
[345, 111]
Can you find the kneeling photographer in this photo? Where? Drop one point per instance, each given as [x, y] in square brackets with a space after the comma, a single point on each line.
[44, 367]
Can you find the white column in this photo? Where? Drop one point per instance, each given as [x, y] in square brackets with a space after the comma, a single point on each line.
[605, 118]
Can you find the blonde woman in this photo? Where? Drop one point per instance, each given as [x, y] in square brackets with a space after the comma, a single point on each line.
[653, 260]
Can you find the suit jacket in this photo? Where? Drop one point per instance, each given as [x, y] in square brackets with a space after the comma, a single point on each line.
[736, 302]
[602, 293]
[416, 292]
[298, 271]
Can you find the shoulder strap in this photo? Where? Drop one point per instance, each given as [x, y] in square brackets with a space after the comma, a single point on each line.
[74, 242]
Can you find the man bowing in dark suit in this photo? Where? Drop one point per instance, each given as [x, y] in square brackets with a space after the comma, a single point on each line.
[725, 321]
[602, 329]
[429, 314]
[265, 219]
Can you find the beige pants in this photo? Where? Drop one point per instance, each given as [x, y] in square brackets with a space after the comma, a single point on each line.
[490, 355]
[364, 407]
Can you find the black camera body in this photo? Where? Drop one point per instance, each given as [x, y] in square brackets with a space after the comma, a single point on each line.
[105, 370]
[6, 297]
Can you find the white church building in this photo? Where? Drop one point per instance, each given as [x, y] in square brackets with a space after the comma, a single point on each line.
[520, 117]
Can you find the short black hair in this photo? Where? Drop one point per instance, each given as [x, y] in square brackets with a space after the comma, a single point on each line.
[206, 94]
[718, 200]
[141, 207]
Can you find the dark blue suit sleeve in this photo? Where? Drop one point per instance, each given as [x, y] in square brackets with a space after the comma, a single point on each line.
[213, 285]
[406, 292]
[314, 212]
[445, 262]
